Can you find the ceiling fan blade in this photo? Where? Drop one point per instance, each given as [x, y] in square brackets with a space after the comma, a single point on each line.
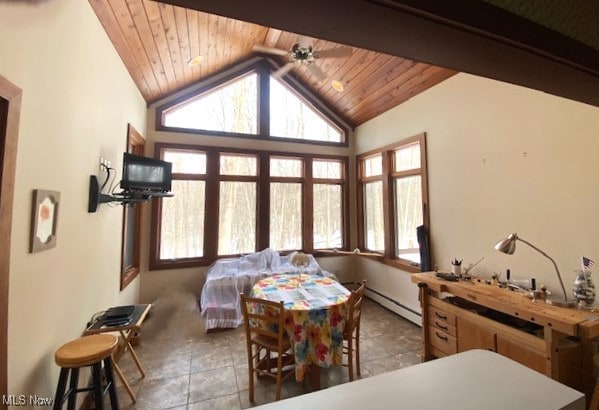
[343, 51]
[316, 72]
[270, 50]
[283, 70]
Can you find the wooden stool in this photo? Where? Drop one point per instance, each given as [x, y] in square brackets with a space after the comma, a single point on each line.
[86, 351]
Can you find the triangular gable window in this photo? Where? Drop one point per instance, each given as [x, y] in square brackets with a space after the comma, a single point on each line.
[232, 107]
[290, 117]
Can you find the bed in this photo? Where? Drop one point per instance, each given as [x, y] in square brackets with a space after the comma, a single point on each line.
[227, 278]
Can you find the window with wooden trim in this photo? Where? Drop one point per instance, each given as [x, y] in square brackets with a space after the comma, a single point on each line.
[237, 203]
[228, 202]
[182, 216]
[249, 103]
[286, 198]
[393, 196]
[327, 182]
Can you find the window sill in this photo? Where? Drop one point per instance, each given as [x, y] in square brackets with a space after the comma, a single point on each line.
[400, 264]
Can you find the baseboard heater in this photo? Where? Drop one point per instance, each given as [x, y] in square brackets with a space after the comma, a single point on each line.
[393, 305]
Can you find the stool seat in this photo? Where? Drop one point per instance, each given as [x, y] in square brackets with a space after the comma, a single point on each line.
[86, 350]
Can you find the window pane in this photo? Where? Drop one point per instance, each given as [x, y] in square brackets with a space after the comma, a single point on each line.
[285, 167]
[186, 162]
[231, 164]
[373, 212]
[373, 166]
[182, 227]
[326, 169]
[290, 117]
[328, 226]
[285, 216]
[407, 158]
[231, 108]
[408, 216]
[237, 218]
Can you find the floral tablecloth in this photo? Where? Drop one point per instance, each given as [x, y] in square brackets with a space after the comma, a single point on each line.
[315, 311]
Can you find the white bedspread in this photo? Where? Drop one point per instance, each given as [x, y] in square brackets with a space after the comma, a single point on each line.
[227, 278]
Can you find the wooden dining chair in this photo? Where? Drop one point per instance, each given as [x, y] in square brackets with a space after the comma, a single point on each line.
[351, 333]
[265, 334]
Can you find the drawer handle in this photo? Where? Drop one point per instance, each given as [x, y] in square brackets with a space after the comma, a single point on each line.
[440, 326]
[440, 316]
[441, 336]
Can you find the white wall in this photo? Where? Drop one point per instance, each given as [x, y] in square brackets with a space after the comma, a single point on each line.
[77, 101]
[501, 159]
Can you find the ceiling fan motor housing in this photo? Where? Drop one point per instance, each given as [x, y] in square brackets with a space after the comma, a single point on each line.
[300, 53]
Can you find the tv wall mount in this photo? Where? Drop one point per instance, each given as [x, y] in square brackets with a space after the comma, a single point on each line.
[96, 197]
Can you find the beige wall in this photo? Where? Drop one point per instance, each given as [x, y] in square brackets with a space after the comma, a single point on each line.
[77, 101]
[501, 159]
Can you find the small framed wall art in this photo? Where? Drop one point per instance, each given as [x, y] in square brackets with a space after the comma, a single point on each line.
[44, 219]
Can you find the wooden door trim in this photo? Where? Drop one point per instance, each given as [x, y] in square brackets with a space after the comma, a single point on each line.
[8, 157]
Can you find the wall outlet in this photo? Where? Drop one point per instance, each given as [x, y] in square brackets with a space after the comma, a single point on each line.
[104, 162]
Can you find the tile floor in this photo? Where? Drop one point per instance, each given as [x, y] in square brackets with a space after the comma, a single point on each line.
[187, 368]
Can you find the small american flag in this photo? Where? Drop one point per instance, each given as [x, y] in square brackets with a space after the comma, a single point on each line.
[587, 263]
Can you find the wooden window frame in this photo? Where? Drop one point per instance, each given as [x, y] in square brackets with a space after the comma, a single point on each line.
[263, 69]
[389, 256]
[263, 180]
[344, 196]
[10, 109]
[135, 145]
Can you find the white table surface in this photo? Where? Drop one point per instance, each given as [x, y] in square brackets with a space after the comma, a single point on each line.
[472, 380]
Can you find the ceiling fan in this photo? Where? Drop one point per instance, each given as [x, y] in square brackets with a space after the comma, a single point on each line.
[306, 55]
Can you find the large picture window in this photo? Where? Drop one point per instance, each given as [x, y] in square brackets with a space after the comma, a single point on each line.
[249, 103]
[229, 202]
[392, 187]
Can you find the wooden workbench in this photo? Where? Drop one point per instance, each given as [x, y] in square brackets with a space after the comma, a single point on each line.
[463, 315]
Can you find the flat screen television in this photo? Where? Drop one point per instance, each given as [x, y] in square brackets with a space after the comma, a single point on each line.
[145, 174]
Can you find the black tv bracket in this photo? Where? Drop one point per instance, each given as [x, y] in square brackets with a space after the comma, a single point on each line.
[125, 197]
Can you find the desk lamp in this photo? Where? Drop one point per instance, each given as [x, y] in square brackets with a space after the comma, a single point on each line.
[508, 246]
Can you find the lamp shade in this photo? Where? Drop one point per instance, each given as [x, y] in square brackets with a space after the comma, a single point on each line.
[507, 245]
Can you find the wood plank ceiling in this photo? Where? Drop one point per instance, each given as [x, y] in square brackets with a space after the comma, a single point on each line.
[156, 41]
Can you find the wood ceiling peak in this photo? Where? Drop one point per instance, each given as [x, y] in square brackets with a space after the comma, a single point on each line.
[156, 40]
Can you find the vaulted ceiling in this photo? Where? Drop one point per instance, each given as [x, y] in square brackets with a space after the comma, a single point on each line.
[156, 41]
[399, 46]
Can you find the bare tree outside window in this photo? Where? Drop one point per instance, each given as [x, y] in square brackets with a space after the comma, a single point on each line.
[237, 218]
[285, 216]
[290, 117]
[182, 219]
[230, 108]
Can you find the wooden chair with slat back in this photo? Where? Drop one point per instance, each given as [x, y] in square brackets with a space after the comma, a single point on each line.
[351, 333]
[265, 334]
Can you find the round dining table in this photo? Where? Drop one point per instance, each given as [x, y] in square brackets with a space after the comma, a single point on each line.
[315, 312]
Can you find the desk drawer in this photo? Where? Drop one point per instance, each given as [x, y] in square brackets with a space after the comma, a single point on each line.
[444, 326]
[441, 315]
[442, 341]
